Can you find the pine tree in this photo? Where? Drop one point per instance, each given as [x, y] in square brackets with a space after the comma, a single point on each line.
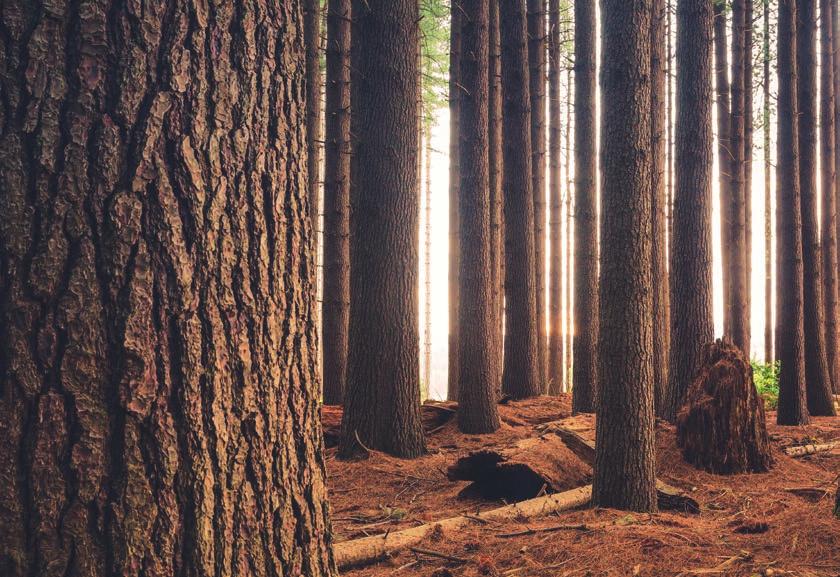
[454, 195]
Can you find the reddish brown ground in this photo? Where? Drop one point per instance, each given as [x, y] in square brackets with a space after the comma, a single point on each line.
[800, 535]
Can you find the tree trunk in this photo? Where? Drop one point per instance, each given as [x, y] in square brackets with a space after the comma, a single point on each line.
[426, 386]
[658, 199]
[382, 400]
[537, 79]
[737, 243]
[520, 377]
[336, 300]
[555, 348]
[836, 74]
[828, 190]
[585, 332]
[724, 157]
[158, 407]
[749, 139]
[625, 460]
[496, 193]
[454, 184]
[312, 39]
[817, 377]
[570, 313]
[790, 336]
[477, 412]
[692, 323]
[768, 193]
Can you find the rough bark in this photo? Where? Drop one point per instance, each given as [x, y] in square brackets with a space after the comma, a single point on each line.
[722, 428]
[658, 199]
[625, 475]
[556, 363]
[737, 241]
[790, 336]
[817, 377]
[158, 406]
[749, 141]
[382, 398]
[835, 35]
[537, 79]
[692, 322]
[585, 333]
[570, 313]
[335, 312]
[768, 191]
[312, 40]
[828, 189]
[477, 412]
[520, 377]
[496, 192]
[454, 186]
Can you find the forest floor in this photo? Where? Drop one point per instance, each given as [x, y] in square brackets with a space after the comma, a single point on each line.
[776, 523]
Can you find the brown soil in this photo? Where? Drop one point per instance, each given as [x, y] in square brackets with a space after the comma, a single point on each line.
[775, 523]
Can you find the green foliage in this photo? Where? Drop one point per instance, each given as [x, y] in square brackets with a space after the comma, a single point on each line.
[766, 378]
[434, 56]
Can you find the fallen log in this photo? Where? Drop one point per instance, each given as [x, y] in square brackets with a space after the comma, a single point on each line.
[810, 449]
[367, 550]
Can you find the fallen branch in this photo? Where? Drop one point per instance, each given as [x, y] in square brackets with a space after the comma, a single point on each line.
[437, 554]
[810, 449]
[369, 549]
[550, 529]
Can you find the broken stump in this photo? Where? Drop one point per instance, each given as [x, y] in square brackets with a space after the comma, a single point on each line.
[721, 427]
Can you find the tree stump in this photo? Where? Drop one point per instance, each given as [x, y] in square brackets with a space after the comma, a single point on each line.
[721, 428]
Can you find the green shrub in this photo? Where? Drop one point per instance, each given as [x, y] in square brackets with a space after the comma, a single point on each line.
[766, 378]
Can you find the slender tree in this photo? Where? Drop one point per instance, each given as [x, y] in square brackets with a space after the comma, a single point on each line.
[817, 377]
[496, 192]
[586, 214]
[570, 315]
[749, 143]
[692, 323]
[828, 189]
[658, 200]
[335, 312]
[835, 34]
[625, 460]
[312, 39]
[427, 262]
[520, 377]
[768, 189]
[454, 184]
[159, 407]
[477, 412]
[790, 335]
[382, 399]
[555, 347]
[724, 156]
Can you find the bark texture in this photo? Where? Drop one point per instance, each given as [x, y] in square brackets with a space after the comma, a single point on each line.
[496, 192]
[382, 399]
[158, 406]
[835, 38]
[724, 154]
[520, 377]
[454, 187]
[477, 412]
[692, 322]
[624, 471]
[585, 335]
[817, 377]
[556, 363]
[335, 312]
[722, 428]
[790, 336]
[312, 39]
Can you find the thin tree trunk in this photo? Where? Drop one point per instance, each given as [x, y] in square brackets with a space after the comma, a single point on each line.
[496, 193]
[658, 200]
[625, 459]
[768, 194]
[585, 337]
[836, 74]
[724, 157]
[427, 267]
[817, 377]
[669, 75]
[790, 335]
[336, 300]
[555, 365]
[749, 139]
[312, 39]
[828, 190]
[692, 324]
[157, 316]
[477, 412]
[454, 184]
[520, 377]
[570, 314]
[382, 400]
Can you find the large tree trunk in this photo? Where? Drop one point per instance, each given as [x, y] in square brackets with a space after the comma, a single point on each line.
[158, 407]
[477, 412]
[817, 377]
[520, 377]
[828, 189]
[585, 332]
[658, 199]
[790, 336]
[555, 347]
[692, 322]
[382, 400]
[625, 461]
[537, 79]
[336, 300]
[768, 191]
[724, 155]
[496, 192]
[455, 92]
[737, 242]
